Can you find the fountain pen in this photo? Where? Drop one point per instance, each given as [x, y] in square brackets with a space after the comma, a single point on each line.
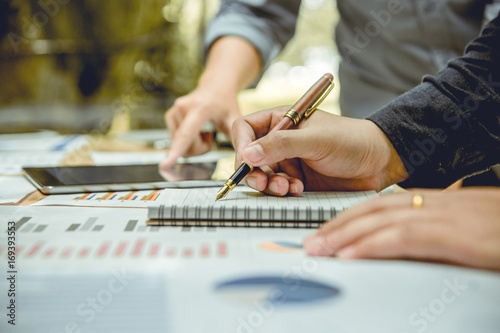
[304, 107]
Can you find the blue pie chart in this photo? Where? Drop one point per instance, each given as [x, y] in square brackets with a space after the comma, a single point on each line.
[276, 289]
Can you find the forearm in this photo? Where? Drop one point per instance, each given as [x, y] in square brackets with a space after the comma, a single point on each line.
[232, 64]
[266, 24]
[449, 126]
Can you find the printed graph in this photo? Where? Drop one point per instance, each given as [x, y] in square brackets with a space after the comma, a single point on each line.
[113, 237]
[129, 196]
[152, 196]
[280, 246]
[132, 198]
[119, 196]
[48, 235]
[86, 196]
[86, 226]
[90, 225]
[107, 196]
[275, 289]
[138, 248]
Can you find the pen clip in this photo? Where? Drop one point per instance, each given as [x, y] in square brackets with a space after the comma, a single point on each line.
[318, 102]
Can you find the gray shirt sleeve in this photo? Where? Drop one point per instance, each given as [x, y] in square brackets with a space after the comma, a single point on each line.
[267, 24]
[448, 127]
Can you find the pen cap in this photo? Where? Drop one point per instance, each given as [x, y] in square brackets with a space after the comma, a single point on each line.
[313, 97]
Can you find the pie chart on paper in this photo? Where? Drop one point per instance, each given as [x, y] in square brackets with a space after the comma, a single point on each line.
[280, 246]
[276, 289]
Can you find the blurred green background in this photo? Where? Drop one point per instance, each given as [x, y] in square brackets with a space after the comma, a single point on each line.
[77, 66]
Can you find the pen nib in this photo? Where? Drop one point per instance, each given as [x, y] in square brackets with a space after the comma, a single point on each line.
[222, 192]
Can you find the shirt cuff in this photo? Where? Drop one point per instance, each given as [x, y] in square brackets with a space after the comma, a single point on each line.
[248, 29]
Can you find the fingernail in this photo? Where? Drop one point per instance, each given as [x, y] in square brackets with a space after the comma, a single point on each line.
[274, 187]
[254, 153]
[348, 252]
[250, 180]
[316, 245]
[293, 188]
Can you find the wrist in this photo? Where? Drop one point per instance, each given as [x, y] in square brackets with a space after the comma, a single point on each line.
[395, 169]
[390, 165]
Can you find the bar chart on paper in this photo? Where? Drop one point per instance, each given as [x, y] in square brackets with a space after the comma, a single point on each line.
[107, 234]
[120, 196]
[139, 248]
[107, 199]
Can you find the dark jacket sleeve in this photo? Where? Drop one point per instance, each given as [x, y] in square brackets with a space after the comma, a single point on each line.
[448, 127]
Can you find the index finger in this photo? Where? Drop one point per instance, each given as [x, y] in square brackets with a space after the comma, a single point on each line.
[184, 137]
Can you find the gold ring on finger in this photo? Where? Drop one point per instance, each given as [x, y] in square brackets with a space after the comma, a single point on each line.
[417, 201]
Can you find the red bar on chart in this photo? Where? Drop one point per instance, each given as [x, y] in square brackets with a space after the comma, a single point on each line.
[83, 197]
[130, 196]
[120, 249]
[138, 248]
[152, 196]
[188, 252]
[170, 252]
[107, 196]
[103, 249]
[49, 252]
[17, 251]
[154, 250]
[84, 252]
[86, 196]
[205, 250]
[1, 250]
[66, 252]
[222, 249]
[34, 250]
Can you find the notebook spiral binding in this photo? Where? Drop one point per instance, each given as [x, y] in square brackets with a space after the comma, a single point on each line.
[236, 224]
[200, 220]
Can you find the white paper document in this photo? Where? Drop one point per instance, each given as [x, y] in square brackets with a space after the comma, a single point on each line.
[36, 150]
[105, 270]
[79, 236]
[14, 188]
[12, 163]
[41, 142]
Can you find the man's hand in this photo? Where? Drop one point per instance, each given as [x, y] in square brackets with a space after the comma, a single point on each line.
[189, 113]
[460, 227]
[325, 152]
[233, 64]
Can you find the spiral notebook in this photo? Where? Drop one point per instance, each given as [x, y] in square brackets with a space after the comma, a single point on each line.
[247, 207]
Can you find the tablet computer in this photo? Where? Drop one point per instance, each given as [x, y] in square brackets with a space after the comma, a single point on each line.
[78, 179]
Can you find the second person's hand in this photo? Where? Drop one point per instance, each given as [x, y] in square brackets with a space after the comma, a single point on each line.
[232, 64]
[189, 113]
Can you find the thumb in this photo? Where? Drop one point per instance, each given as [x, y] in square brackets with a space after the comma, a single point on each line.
[278, 146]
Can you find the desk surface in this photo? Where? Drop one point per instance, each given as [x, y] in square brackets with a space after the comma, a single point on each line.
[104, 270]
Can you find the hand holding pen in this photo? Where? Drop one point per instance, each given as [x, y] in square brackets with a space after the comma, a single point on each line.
[304, 107]
[325, 152]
